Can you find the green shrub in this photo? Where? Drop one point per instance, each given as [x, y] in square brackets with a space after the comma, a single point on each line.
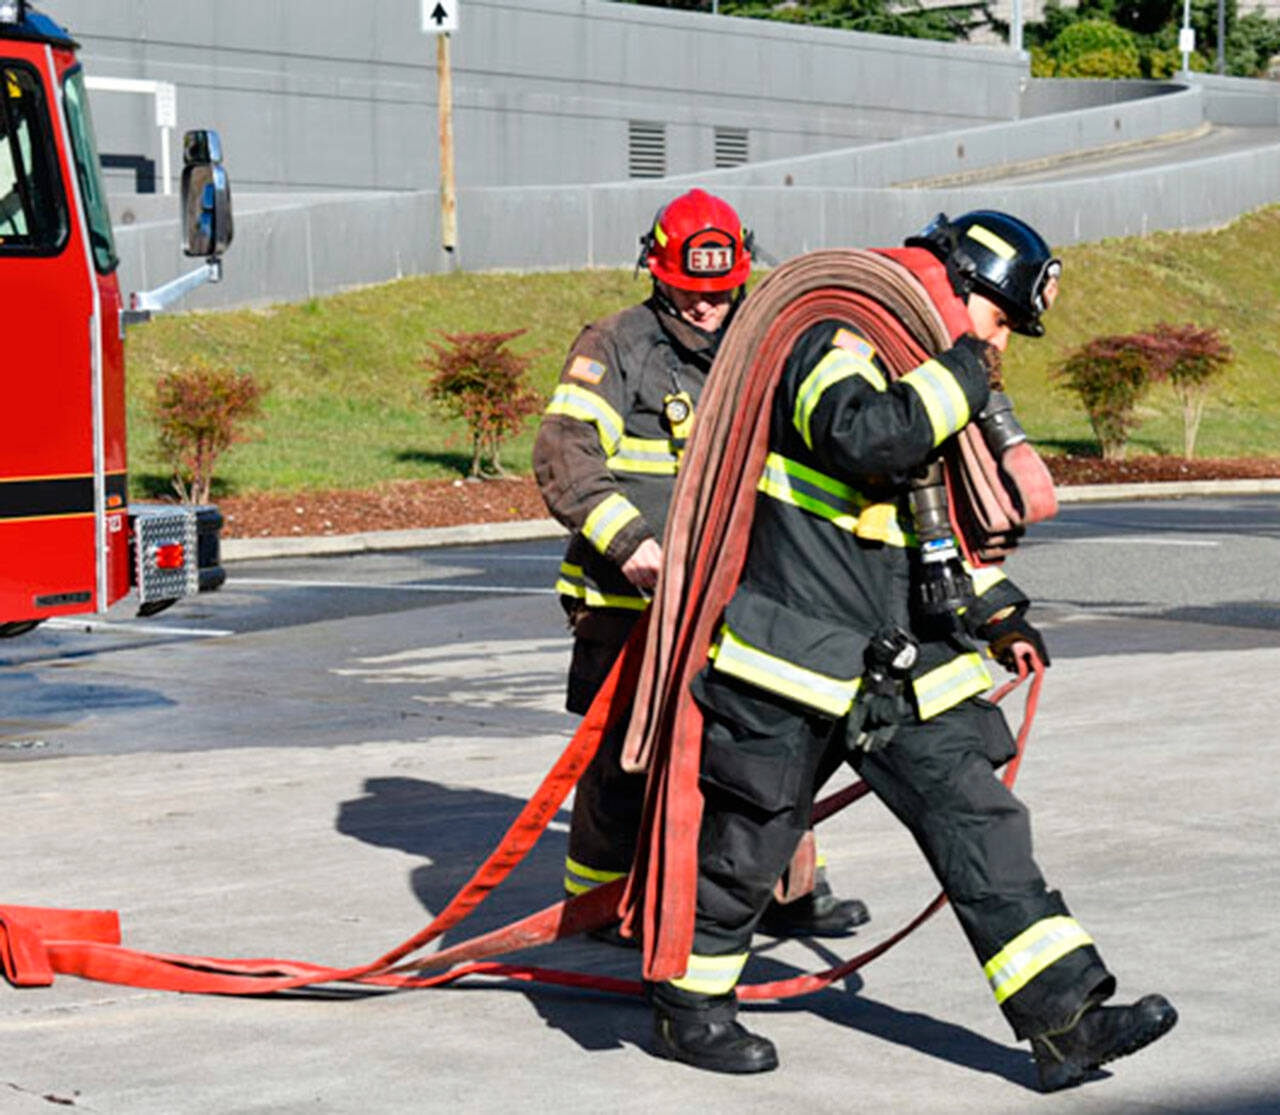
[1095, 48]
[475, 377]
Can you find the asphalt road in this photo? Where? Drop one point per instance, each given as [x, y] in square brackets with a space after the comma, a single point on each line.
[311, 761]
[308, 650]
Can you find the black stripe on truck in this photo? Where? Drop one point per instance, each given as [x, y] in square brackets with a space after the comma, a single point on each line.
[57, 496]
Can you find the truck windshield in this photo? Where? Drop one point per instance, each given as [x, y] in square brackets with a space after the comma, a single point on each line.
[33, 213]
[85, 149]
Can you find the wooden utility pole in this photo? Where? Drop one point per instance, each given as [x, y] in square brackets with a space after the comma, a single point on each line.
[448, 192]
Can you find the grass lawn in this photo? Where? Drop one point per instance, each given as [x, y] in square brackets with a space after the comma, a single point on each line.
[345, 408]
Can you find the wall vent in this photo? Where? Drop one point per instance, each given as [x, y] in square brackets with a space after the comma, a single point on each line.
[731, 147]
[646, 149]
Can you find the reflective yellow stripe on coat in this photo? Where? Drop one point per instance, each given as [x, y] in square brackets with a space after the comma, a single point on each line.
[654, 456]
[607, 518]
[766, 671]
[573, 583]
[837, 365]
[844, 507]
[944, 399]
[586, 406]
[948, 685]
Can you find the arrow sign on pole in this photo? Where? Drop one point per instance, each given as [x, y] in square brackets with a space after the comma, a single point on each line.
[439, 17]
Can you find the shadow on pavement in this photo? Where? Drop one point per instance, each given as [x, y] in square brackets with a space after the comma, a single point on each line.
[455, 828]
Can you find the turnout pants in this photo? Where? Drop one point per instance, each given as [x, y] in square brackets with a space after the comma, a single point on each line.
[608, 801]
[764, 760]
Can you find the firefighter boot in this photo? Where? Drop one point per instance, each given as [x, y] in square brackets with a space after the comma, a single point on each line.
[816, 914]
[1098, 1035]
[714, 1046]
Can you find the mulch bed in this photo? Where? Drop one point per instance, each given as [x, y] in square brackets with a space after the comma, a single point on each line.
[411, 504]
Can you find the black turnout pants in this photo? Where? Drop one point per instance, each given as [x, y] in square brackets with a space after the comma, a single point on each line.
[608, 801]
[764, 760]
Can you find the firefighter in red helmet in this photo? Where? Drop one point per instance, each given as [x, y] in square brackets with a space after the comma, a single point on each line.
[606, 459]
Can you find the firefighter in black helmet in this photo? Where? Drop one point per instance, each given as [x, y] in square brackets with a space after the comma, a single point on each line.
[827, 591]
[606, 460]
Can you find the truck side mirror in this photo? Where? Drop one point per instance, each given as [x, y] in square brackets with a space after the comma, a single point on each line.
[206, 196]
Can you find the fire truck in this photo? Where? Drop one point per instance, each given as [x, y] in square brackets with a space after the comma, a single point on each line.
[70, 540]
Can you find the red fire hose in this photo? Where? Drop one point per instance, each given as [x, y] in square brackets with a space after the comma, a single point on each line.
[704, 551]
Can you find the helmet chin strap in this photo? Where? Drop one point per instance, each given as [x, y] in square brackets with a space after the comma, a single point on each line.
[666, 306]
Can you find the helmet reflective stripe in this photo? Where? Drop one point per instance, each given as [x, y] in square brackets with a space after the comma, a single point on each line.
[607, 518]
[711, 975]
[985, 236]
[944, 399]
[1031, 952]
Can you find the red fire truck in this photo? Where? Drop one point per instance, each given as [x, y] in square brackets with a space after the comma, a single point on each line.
[70, 542]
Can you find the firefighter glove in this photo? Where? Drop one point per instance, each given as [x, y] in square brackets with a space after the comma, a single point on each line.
[1004, 634]
[882, 704]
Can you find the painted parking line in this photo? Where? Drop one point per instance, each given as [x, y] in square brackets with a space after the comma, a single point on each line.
[1131, 540]
[143, 628]
[500, 590]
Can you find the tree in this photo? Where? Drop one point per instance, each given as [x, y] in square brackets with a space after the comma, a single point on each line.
[1251, 39]
[200, 412]
[475, 377]
[883, 17]
[1190, 360]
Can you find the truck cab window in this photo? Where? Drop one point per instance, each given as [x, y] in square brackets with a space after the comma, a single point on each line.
[84, 148]
[33, 213]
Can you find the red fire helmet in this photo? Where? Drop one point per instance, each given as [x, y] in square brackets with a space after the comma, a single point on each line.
[698, 243]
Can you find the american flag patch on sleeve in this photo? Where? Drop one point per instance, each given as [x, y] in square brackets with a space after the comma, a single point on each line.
[586, 369]
[851, 342]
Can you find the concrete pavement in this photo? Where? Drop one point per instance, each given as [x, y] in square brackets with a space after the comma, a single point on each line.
[1152, 778]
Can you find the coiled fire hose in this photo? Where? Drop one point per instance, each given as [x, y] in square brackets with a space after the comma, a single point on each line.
[705, 546]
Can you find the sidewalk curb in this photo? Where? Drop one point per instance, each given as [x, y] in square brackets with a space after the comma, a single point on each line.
[251, 549]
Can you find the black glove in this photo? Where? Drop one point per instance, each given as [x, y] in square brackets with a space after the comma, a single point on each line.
[1003, 634]
[882, 704]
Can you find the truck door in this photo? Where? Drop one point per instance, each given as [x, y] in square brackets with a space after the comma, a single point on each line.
[51, 521]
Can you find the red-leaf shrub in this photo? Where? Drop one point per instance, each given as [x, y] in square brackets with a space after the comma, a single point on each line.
[200, 410]
[475, 377]
[1110, 375]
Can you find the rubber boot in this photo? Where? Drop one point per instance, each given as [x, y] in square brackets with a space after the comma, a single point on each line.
[817, 914]
[1100, 1034]
[714, 1046]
